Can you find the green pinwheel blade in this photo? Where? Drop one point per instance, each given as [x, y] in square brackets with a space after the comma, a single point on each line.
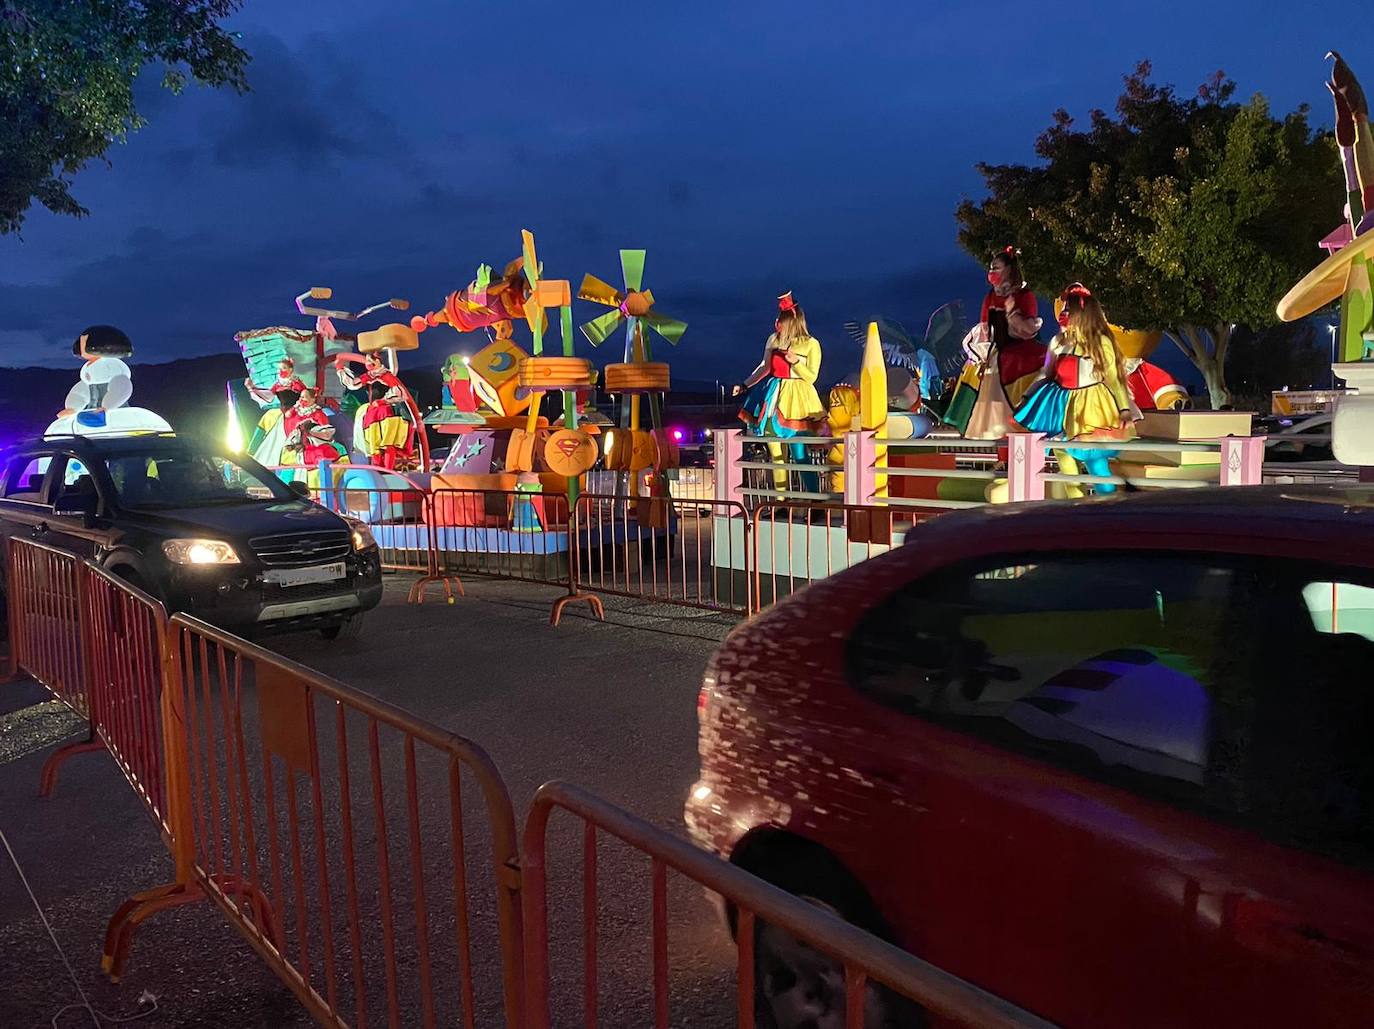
[669, 328]
[527, 251]
[632, 265]
[598, 329]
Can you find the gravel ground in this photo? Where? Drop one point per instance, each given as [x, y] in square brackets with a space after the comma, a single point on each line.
[610, 707]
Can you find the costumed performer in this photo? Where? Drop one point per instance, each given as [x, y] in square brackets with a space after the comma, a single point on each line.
[388, 438]
[1003, 342]
[269, 437]
[373, 371]
[780, 396]
[309, 435]
[1082, 394]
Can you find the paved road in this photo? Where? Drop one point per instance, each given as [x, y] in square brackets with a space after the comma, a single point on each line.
[611, 707]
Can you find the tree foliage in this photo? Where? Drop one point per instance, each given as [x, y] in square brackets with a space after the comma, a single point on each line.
[67, 73]
[1187, 215]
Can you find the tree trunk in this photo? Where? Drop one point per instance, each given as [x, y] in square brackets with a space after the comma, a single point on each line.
[1206, 348]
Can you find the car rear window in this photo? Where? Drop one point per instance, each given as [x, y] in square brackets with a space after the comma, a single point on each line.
[1208, 682]
[24, 478]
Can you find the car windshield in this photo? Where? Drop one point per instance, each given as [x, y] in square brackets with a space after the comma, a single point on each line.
[187, 478]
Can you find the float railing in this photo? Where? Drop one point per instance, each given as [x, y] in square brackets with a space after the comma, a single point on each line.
[794, 543]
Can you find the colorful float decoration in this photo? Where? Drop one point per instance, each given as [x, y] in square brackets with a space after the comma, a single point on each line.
[907, 373]
[483, 304]
[501, 441]
[98, 404]
[1347, 273]
[630, 449]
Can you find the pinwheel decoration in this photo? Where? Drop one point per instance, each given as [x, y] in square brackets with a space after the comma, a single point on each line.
[634, 305]
[631, 449]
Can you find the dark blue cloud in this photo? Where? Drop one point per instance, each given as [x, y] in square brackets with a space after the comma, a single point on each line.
[751, 148]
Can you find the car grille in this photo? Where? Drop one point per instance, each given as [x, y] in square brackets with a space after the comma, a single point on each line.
[298, 549]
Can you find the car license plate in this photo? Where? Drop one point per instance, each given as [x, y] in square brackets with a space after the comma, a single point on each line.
[302, 576]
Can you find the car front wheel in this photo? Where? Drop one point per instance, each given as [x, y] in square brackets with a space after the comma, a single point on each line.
[799, 987]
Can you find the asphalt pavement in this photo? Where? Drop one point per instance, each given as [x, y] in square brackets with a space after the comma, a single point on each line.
[610, 706]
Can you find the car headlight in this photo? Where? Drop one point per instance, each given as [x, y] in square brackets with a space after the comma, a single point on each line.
[200, 552]
[362, 536]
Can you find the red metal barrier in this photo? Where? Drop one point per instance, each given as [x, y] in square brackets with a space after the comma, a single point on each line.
[865, 958]
[311, 805]
[127, 631]
[44, 600]
[794, 543]
[44, 604]
[499, 534]
[689, 553]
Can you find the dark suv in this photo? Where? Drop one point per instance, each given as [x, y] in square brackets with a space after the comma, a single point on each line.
[207, 532]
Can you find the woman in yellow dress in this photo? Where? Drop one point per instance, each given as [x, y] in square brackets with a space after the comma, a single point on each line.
[1083, 394]
[780, 397]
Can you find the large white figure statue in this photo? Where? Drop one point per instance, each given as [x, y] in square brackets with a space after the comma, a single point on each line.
[98, 404]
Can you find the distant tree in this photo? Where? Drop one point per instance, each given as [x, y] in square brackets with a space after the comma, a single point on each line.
[67, 72]
[1191, 216]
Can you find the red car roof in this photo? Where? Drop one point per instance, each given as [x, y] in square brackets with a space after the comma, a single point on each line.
[1314, 523]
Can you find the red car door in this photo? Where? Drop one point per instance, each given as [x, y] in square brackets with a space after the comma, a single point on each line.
[1081, 752]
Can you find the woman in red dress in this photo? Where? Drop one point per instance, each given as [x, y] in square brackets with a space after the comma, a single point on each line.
[1008, 347]
[309, 436]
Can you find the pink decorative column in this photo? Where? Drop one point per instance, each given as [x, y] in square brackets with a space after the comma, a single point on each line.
[729, 453]
[860, 478]
[1025, 466]
[1242, 460]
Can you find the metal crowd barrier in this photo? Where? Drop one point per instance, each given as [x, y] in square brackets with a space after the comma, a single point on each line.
[307, 800]
[126, 636]
[662, 550]
[335, 830]
[865, 958]
[501, 534]
[46, 638]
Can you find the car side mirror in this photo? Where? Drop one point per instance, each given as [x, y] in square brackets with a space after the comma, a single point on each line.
[299, 488]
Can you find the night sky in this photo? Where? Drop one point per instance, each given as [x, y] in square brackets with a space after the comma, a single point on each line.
[751, 148]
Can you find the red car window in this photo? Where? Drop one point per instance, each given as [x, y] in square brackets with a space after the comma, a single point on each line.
[1200, 680]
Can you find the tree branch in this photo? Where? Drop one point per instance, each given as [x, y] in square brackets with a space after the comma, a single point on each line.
[1222, 335]
[1183, 342]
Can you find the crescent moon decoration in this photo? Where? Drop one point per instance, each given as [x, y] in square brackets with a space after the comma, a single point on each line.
[501, 361]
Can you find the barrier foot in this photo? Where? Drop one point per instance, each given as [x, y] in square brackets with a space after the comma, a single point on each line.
[417, 590]
[590, 599]
[47, 778]
[119, 934]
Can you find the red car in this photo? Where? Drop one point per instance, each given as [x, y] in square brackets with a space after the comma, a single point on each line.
[1111, 760]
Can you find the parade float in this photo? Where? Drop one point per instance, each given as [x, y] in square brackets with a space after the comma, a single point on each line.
[512, 476]
[98, 404]
[1346, 274]
[334, 412]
